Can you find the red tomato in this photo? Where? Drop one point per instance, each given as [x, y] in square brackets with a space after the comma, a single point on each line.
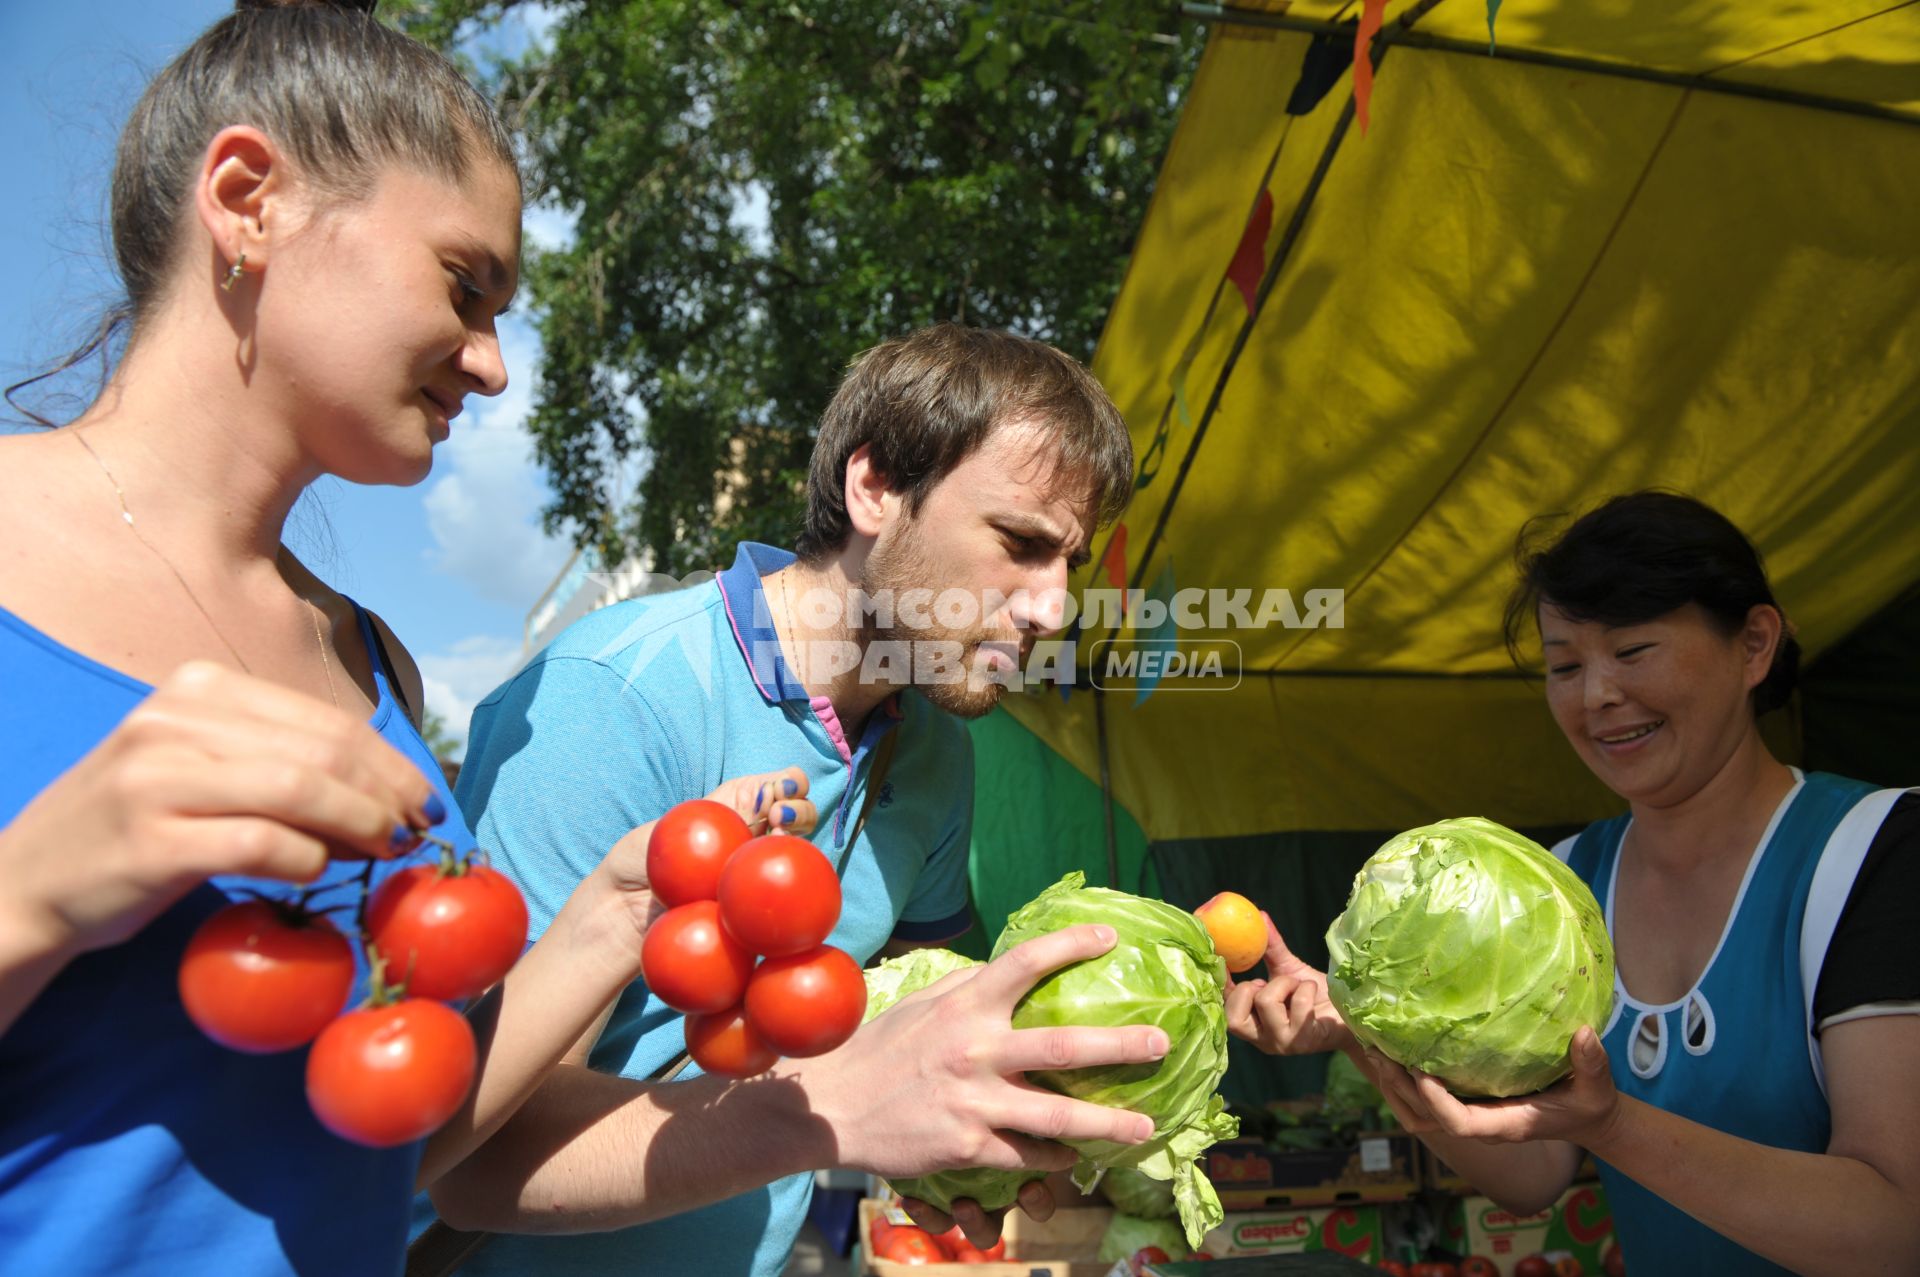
[263, 977]
[1138, 1261]
[1613, 1263]
[807, 1003]
[1434, 1268]
[447, 934]
[691, 963]
[1478, 1266]
[913, 1246]
[1393, 1266]
[882, 1229]
[1568, 1266]
[1533, 1266]
[388, 1075]
[689, 847]
[779, 895]
[724, 1043]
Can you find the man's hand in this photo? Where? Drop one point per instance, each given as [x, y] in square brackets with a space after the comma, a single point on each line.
[982, 1227]
[1578, 1109]
[936, 1083]
[1288, 1012]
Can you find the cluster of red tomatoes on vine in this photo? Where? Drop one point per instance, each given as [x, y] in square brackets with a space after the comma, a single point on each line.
[742, 949]
[265, 976]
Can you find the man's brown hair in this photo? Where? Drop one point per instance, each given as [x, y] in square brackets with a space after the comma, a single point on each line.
[926, 401]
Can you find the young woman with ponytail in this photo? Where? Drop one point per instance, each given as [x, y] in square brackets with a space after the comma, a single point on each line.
[317, 222]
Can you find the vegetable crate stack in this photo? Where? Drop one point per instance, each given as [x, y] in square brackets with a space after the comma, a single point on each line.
[1064, 1246]
[1572, 1238]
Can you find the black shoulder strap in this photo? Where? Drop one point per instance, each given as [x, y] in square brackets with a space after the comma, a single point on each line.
[386, 664]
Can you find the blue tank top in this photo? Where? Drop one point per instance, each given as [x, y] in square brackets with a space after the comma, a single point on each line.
[130, 1143]
[1732, 1053]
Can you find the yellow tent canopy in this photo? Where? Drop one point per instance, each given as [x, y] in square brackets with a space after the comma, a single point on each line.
[1638, 244]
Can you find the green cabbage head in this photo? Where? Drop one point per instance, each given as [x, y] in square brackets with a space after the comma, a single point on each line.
[1127, 1233]
[887, 983]
[1138, 1195]
[1161, 971]
[1471, 953]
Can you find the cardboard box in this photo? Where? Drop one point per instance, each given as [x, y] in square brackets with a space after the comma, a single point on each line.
[1379, 1167]
[1355, 1231]
[1578, 1225]
[1326, 1263]
[1064, 1246]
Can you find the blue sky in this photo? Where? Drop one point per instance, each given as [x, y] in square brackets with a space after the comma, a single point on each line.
[454, 563]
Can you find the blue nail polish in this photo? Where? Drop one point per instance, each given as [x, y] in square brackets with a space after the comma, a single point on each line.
[790, 787]
[759, 799]
[403, 839]
[786, 814]
[435, 809]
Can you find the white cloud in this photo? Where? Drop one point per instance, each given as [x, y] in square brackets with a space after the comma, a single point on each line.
[484, 512]
[539, 20]
[548, 227]
[461, 677]
[752, 216]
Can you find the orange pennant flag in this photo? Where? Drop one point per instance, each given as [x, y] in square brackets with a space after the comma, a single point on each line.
[1250, 259]
[1371, 14]
[1116, 561]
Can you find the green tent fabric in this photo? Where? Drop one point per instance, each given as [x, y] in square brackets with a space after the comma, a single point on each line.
[1035, 818]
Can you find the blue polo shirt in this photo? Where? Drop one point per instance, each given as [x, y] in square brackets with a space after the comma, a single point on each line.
[652, 702]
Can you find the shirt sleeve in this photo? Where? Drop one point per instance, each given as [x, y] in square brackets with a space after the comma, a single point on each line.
[562, 762]
[940, 907]
[1872, 959]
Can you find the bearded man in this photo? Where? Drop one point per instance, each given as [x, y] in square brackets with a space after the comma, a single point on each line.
[958, 476]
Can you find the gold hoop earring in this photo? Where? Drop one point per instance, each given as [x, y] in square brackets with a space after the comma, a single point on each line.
[233, 274]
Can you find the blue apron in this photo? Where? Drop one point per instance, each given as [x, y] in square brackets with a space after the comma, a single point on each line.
[1733, 1052]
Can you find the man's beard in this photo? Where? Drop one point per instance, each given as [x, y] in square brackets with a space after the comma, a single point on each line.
[898, 564]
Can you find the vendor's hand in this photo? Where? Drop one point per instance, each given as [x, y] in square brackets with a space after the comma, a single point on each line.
[936, 1082]
[768, 802]
[215, 772]
[982, 1227]
[1288, 1012]
[1580, 1108]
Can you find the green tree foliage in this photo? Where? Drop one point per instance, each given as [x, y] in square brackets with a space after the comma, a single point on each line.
[440, 741]
[763, 189]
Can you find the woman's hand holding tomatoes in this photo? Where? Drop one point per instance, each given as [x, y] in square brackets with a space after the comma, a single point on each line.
[216, 772]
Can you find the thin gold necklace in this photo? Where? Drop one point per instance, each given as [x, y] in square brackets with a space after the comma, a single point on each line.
[126, 516]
